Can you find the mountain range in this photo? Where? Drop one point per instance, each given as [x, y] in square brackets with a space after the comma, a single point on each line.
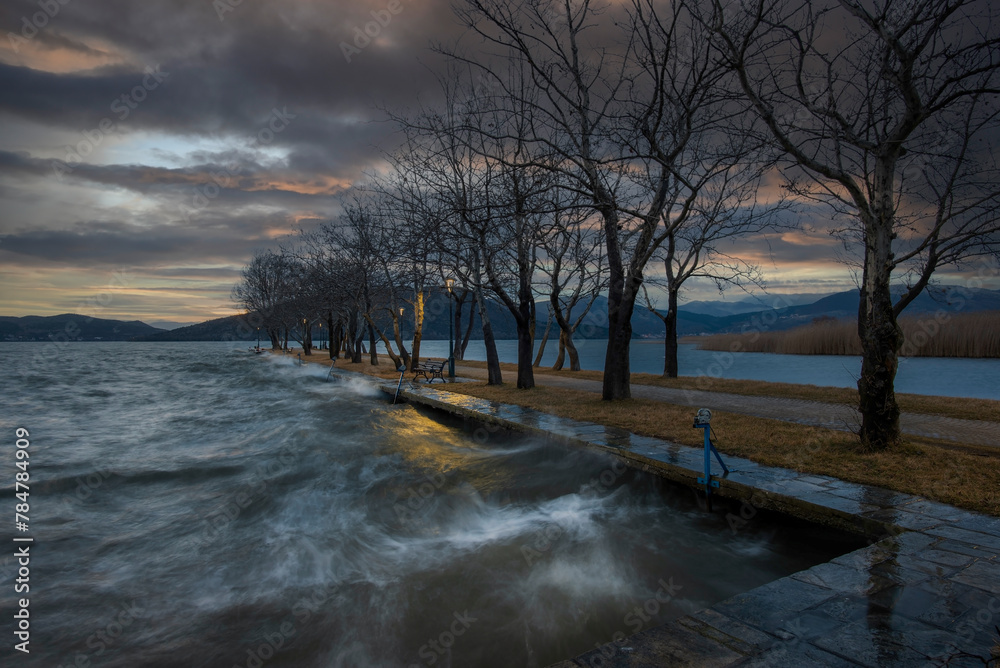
[774, 312]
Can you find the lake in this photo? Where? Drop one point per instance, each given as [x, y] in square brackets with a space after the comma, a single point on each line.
[938, 376]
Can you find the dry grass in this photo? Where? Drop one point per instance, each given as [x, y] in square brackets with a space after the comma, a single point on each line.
[961, 476]
[944, 335]
[965, 409]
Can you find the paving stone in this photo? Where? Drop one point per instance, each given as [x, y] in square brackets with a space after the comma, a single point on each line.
[981, 575]
[796, 654]
[733, 628]
[981, 523]
[902, 517]
[968, 549]
[938, 602]
[966, 536]
[866, 557]
[910, 542]
[845, 609]
[952, 559]
[817, 480]
[841, 503]
[874, 496]
[669, 645]
[712, 633]
[771, 606]
[792, 487]
[939, 510]
[844, 579]
[871, 646]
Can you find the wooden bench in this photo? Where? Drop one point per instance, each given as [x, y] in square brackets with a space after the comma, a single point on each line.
[430, 370]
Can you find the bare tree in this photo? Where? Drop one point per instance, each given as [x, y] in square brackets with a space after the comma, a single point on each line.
[574, 267]
[264, 289]
[885, 111]
[638, 123]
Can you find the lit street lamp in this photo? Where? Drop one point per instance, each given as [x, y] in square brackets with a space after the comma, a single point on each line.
[451, 331]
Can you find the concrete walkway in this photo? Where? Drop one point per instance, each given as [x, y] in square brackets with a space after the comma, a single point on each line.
[815, 413]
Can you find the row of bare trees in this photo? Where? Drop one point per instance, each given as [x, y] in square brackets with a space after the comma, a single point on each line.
[620, 149]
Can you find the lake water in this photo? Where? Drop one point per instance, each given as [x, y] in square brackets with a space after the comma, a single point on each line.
[193, 505]
[940, 376]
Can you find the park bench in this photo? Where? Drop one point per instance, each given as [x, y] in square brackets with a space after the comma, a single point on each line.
[430, 370]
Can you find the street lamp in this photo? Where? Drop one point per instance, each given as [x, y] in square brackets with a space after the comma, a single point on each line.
[258, 338]
[451, 331]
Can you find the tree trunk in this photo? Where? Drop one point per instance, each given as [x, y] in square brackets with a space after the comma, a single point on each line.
[468, 334]
[525, 346]
[561, 356]
[574, 354]
[493, 375]
[398, 335]
[330, 336]
[881, 339]
[670, 339]
[617, 372]
[525, 339]
[457, 329]
[385, 340]
[372, 351]
[275, 336]
[545, 339]
[355, 336]
[418, 329]
[335, 340]
[307, 338]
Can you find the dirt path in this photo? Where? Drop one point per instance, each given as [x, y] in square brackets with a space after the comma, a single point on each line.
[816, 413]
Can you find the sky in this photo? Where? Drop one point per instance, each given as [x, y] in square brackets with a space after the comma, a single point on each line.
[147, 149]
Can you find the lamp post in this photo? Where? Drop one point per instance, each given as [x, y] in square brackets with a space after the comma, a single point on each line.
[258, 338]
[451, 331]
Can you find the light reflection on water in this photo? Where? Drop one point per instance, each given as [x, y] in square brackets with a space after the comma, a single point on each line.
[193, 505]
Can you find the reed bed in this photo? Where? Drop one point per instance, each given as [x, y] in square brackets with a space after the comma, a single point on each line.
[931, 335]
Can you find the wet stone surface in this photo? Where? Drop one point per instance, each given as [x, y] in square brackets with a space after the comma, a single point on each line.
[926, 592]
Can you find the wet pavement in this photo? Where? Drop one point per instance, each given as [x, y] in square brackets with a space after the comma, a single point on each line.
[924, 592]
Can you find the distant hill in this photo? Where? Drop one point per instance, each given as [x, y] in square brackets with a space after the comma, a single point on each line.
[220, 329]
[71, 327]
[721, 308]
[844, 305]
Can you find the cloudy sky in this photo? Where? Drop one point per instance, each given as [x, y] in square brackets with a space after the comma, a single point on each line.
[148, 148]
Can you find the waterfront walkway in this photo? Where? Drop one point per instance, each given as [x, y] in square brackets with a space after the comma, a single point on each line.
[815, 413]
